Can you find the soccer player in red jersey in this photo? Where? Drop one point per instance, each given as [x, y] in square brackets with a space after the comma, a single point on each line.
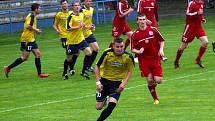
[149, 8]
[147, 44]
[193, 28]
[120, 26]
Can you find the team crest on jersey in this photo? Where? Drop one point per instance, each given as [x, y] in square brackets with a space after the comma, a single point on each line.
[152, 4]
[146, 41]
[151, 33]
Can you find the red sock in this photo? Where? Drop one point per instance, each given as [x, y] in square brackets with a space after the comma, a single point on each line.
[153, 91]
[127, 42]
[178, 56]
[111, 45]
[201, 52]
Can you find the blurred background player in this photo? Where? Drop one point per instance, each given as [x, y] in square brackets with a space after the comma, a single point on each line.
[147, 43]
[113, 70]
[28, 42]
[60, 28]
[149, 8]
[87, 10]
[119, 24]
[76, 40]
[193, 28]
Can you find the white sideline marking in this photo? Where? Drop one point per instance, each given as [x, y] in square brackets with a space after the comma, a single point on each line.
[73, 99]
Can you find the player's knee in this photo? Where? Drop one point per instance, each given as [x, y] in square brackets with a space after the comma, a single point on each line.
[88, 51]
[159, 81]
[205, 44]
[99, 107]
[24, 59]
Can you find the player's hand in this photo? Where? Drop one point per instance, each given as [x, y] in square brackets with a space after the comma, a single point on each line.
[204, 20]
[121, 88]
[141, 50]
[161, 53]
[82, 25]
[93, 27]
[131, 9]
[99, 87]
[38, 31]
[158, 24]
[200, 11]
[148, 22]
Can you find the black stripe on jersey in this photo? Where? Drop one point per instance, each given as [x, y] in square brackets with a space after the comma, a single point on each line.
[101, 59]
[32, 19]
[131, 57]
[68, 20]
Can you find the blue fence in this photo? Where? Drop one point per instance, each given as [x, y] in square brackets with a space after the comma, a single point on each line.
[101, 16]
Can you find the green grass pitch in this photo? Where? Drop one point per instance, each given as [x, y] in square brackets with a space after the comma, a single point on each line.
[185, 95]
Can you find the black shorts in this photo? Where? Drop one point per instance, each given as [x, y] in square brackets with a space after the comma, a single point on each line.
[109, 89]
[74, 48]
[63, 42]
[90, 39]
[28, 46]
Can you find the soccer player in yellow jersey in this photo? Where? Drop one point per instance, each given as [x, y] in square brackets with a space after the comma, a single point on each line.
[113, 70]
[28, 42]
[75, 39]
[60, 22]
[60, 28]
[87, 10]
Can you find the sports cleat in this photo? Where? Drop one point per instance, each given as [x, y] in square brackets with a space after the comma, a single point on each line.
[213, 45]
[200, 64]
[156, 101]
[65, 77]
[43, 75]
[72, 72]
[84, 74]
[6, 71]
[90, 69]
[176, 65]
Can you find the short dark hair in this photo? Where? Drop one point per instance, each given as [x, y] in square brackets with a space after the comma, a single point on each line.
[140, 15]
[75, 1]
[63, 1]
[118, 40]
[35, 6]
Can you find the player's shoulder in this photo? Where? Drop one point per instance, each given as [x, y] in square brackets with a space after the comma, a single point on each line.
[108, 50]
[153, 28]
[136, 31]
[129, 56]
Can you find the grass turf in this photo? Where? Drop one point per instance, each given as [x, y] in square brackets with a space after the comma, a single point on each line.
[185, 95]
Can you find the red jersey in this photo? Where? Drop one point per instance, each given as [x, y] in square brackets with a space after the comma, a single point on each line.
[121, 8]
[148, 39]
[149, 8]
[192, 16]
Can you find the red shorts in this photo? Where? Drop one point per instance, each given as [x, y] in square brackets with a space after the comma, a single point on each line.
[191, 32]
[153, 67]
[119, 29]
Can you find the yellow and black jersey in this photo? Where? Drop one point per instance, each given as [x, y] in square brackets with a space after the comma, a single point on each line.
[115, 67]
[60, 21]
[75, 36]
[88, 15]
[27, 34]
